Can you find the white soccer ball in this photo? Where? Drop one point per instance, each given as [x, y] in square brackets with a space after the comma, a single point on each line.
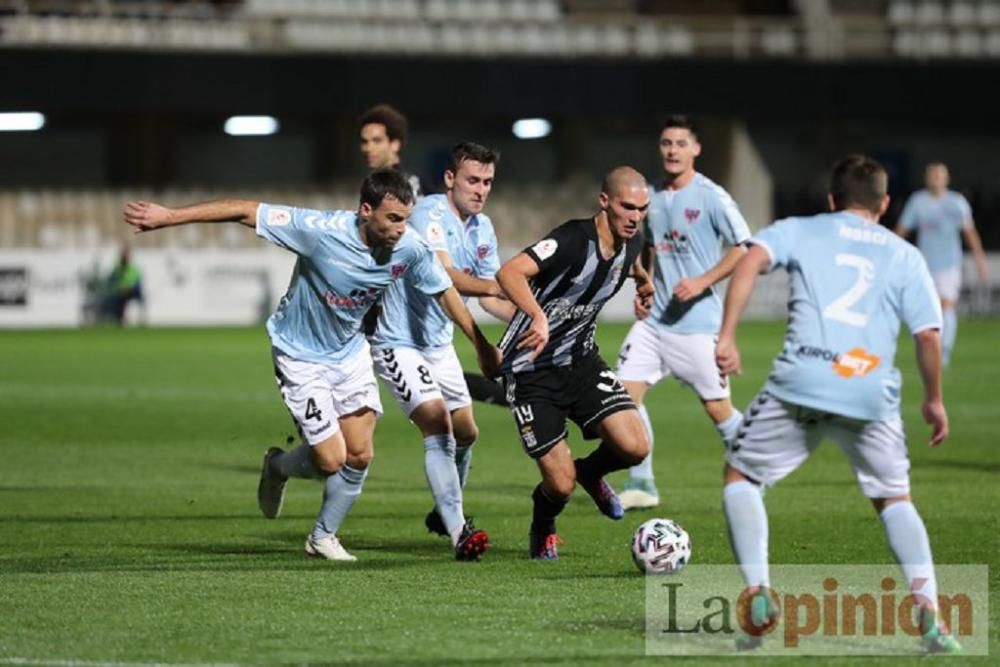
[661, 546]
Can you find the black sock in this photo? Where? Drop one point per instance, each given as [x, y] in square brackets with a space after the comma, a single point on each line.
[543, 517]
[485, 390]
[601, 461]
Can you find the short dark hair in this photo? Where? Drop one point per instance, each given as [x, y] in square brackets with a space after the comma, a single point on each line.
[682, 121]
[858, 180]
[468, 150]
[382, 183]
[395, 122]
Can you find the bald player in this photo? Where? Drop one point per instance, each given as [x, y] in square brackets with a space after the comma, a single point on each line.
[552, 369]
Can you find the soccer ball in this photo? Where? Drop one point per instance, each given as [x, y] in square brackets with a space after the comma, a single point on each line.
[661, 546]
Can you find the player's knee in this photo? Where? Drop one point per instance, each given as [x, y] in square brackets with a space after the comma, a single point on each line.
[361, 460]
[432, 418]
[329, 462]
[561, 488]
[466, 436]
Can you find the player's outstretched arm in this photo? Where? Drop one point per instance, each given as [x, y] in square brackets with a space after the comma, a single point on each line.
[928, 344]
[513, 278]
[727, 354]
[487, 354]
[146, 216]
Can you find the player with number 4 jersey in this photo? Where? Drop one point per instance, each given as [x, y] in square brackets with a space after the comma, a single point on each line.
[322, 364]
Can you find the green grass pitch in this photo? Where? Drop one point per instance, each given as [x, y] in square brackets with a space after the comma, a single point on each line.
[129, 531]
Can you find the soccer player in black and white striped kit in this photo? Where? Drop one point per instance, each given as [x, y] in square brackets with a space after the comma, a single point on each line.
[552, 369]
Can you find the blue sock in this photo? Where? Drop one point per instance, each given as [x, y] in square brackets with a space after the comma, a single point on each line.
[296, 462]
[949, 333]
[908, 540]
[442, 478]
[729, 428]
[746, 517]
[340, 491]
[463, 460]
[644, 469]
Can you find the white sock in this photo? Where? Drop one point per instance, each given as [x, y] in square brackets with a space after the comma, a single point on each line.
[442, 478]
[949, 333]
[340, 491]
[909, 544]
[644, 469]
[296, 462]
[746, 517]
[730, 427]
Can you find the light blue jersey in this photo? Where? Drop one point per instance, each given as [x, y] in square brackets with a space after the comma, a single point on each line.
[852, 282]
[336, 280]
[687, 228]
[409, 318]
[939, 222]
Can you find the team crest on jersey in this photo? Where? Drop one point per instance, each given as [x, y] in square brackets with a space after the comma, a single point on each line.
[398, 270]
[278, 217]
[435, 233]
[692, 215]
[545, 248]
[482, 251]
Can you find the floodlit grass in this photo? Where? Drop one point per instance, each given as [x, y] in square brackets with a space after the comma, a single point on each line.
[129, 530]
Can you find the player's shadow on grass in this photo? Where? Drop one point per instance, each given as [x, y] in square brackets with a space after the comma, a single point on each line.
[974, 466]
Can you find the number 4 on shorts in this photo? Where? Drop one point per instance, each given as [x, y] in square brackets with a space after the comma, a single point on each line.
[312, 412]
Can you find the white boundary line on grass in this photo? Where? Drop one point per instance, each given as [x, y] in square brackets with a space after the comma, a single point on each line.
[99, 663]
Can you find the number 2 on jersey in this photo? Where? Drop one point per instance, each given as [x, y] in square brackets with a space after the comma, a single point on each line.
[840, 309]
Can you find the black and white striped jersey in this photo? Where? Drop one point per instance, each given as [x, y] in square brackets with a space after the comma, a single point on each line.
[573, 284]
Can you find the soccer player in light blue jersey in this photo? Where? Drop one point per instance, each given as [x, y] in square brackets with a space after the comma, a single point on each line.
[690, 221]
[941, 218]
[322, 361]
[412, 343]
[852, 283]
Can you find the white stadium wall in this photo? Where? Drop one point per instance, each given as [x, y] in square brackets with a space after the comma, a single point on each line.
[234, 287]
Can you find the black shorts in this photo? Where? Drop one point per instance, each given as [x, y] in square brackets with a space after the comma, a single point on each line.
[586, 392]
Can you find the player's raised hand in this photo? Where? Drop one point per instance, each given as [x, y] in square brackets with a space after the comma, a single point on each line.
[727, 356]
[935, 415]
[689, 288]
[536, 337]
[146, 216]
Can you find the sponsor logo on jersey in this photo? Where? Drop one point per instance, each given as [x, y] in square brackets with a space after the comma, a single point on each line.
[398, 270]
[356, 299]
[674, 241]
[545, 248]
[278, 217]
[855, 362]
[691, 214]
[482, 251]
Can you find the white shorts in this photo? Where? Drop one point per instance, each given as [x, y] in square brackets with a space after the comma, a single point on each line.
[317, 395]
[417, 376]
[651, 353]
[777, 437]
[948, 283]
